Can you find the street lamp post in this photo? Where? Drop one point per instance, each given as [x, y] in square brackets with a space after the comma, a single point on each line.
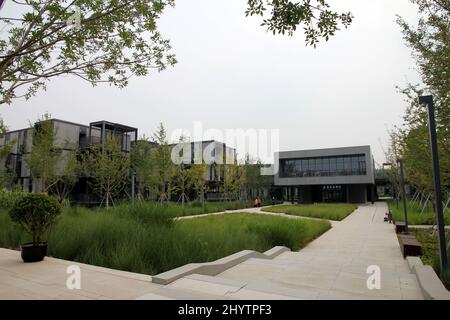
[428, 100]
[402, 186]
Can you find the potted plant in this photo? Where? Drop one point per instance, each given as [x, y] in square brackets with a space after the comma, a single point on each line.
[35, 213]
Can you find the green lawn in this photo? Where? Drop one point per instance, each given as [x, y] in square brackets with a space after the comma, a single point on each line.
[329, 211]
[146, 240]
[430, 251]
[7, 198]
[176, 210]
[414, 216]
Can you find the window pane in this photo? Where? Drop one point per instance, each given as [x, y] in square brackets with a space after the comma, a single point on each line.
[362, 167]
[340, 164]
[326, 165]
[347, 164]
[312, 164]
[333, 164]
[318, 164]
[355, 165]
[305, 165]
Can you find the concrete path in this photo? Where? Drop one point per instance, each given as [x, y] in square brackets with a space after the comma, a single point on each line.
[331, 267]
[334, 266]
[47, 280]
[255, 211]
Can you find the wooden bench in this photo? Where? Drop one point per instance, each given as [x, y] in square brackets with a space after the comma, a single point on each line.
[409, 245]
[399, 227]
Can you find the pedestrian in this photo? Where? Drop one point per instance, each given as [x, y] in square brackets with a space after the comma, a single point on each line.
[389, 216]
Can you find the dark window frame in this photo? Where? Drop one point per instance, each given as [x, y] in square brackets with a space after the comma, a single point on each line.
[342, 165]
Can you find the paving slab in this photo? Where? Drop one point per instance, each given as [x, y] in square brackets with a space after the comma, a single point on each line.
[336, 263]
[47, 280]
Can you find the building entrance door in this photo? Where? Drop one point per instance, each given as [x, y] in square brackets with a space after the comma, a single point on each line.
[333, 193]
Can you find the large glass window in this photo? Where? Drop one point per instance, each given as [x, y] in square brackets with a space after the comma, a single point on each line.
[324, 166]
[305, 167]
[355, 165]
[311, 166]
[333, 165]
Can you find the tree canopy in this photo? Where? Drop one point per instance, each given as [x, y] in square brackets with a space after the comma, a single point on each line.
[429, 42]
[95, 40]
[109, 41]
[319, 21]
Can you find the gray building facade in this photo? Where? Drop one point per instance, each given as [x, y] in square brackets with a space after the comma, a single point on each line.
[71, 136]
[68, 136]
[326, 175]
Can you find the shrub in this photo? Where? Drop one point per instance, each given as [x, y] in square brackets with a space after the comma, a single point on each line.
[35, 213]
[9, 198]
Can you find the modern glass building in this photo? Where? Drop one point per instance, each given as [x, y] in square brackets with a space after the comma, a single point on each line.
[326, 175]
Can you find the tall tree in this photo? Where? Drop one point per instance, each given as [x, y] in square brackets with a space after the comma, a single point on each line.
[199, 179]
[392, 154]
[142, 165]
[109, 169]
[3, 128]
[44, 155]
[95, 40]
[163, 167]
[429, 42]
[183, 182]
[67, 173]
[233, 181]
[254, 182]
[6, 175]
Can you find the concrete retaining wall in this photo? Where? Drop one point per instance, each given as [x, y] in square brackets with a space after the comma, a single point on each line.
[431, 285]
[215, 267]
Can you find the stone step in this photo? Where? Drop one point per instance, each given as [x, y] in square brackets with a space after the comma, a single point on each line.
[221, 288]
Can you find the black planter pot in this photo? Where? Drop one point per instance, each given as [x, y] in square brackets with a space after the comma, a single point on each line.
[33, 253]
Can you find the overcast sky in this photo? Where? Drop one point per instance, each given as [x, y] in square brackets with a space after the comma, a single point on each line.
[232, 74]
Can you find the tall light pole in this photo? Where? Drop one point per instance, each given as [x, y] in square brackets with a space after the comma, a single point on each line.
[428, 100]
[402, 186]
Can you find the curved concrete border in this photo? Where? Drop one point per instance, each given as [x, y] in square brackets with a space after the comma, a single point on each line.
[431, 285]
[215, 267]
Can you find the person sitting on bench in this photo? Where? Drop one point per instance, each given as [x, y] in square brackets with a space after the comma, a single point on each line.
[389, 216]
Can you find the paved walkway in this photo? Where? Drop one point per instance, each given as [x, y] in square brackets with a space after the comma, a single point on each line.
[255, 211]
[331, 267]
[47, 280]
[334, 266]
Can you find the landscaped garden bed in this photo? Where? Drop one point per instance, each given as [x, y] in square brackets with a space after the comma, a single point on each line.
[430, 250]
[329, 211]
[146, 239]
[415, 216]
